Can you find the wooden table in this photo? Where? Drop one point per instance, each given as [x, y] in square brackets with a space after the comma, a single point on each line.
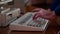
[50, 30]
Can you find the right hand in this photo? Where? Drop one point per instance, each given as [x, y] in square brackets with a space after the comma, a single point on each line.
[50, 15]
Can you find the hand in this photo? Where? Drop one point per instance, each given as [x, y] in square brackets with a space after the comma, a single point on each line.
[50, 15]
[39, 14]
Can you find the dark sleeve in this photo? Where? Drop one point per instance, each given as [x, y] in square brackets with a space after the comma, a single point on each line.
[57, 10]
[54, 4]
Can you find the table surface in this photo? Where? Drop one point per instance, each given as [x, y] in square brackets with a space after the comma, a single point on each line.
[50, 30]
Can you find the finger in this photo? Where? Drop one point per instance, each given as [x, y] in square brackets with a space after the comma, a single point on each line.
[36, 15]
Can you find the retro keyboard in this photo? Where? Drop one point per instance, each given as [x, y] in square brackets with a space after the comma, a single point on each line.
[25, 23]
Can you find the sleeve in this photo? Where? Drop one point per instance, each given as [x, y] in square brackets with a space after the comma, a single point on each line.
[54, 4]
[57, 10]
